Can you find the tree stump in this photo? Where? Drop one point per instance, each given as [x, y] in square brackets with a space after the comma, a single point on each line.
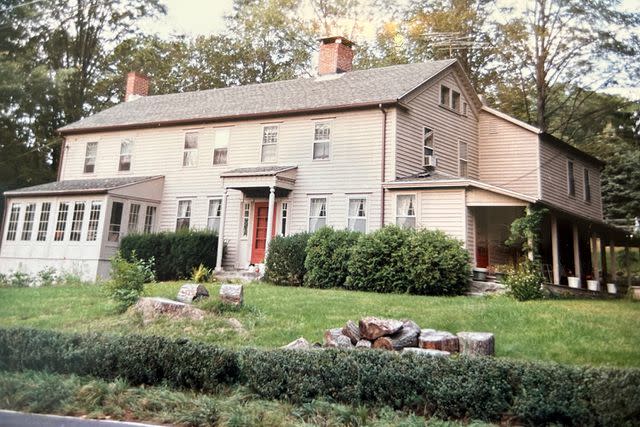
[477, 343]
[426, 352]
[372, 328]
[363, 344]
[352, 331]
[151, 308]
[232, 294]
[190, 292]
[299, 344]
[335, 339]
[439, 340]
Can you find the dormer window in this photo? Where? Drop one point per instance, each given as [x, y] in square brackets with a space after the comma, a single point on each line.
[444, 95]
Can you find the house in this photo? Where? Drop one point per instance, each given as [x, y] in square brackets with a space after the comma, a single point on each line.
[411, 145]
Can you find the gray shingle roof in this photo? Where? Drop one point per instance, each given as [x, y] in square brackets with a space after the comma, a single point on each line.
[354, 88]
[260, 170]
[79, 186]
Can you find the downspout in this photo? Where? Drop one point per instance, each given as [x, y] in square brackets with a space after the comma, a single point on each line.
[383, 163]
[63, 148]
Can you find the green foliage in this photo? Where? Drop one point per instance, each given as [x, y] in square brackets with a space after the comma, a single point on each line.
[200, 274]
[328, 254]
[128, 279]
[421, 262]
[525, 230]
[285, 263]
[525, 282]
[176, 254]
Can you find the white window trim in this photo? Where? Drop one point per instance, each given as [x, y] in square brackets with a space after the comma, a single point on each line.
[330, 140]
[95, 158]
[262, 144]
[216, 145]
[98, 221]
[48, 222]
[317, 196]
[448, 104]
[65, 230]
[19, 219]
[152, 227]
[175, 222]
[133, 146]
[279, 222]
[463, 159]
[72, 211]
[433, 144]
[416, 207]
[366, 209]
[184, 150]
[209, 199]
[249, 221]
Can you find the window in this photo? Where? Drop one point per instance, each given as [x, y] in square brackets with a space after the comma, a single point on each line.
[221, 146]
[115, 223]
[455, 100]
[43, 226]
[317, 213]
[465, 107]
[570, 179]
[190, 156]
[245, 219]
[444, 95]
[462, 154]
[12, 227]
[149, 219]
[215, 213]
[427, 143]
[322, 141]
[61, 223]
[90, 157]
[27, 222]
[269, 143]
[76, 222]
[357, 215]
[406, 211]
[94, 220]
[134, 216]
[184, 215]
[587, 186]
[284, 216]
[126, 148]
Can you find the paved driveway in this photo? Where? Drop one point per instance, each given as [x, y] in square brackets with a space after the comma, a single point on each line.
[20, 419]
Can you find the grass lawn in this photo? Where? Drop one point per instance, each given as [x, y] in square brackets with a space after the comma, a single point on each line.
[581, 332]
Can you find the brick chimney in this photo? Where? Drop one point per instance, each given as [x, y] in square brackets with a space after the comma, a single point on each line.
[336, 55]
[137, 86]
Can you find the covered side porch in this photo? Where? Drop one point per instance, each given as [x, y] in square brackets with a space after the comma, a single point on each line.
[265, 192]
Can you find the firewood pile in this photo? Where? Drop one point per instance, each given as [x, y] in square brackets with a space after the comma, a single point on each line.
[405, 336]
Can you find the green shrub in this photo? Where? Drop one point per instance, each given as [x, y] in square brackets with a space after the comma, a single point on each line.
[176, 254]
[525, 282]
[128, 279]
[286, 258]
[437, 264]
[379, 261]
[328, 253]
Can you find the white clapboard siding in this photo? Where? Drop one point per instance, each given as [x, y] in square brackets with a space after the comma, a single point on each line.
[554, 183]
[449, 128]
[508, 155]
[445, 210]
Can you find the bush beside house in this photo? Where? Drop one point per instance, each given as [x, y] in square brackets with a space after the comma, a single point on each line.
[328, 254]
[176, 254]
[286, 258]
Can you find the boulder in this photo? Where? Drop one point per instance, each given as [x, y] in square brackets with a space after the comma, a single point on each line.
[299, 344]
[477, 343]
[232, 294]
[190, 292]
[335, 339]
[352, 331]
[363, 344]
[426, 352]
[438, 340]
[151, 308]
[372, 328]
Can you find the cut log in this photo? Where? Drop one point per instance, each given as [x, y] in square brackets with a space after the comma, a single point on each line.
[299, 344]
[372, 328]
[363, 344]
[439, 340]
[335, 339]
[352, 331]
[232, 294]
[426, 352]
[383, 343]
[405, 337]
[151, 308]
[477, 343]
[190, 292]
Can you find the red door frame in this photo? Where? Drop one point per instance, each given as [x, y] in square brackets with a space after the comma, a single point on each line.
[257, 255]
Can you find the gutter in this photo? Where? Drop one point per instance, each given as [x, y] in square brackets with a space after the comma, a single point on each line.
[383, 162]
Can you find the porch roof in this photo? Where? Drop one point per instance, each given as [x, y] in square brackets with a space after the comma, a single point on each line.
[256, 181]
[80, 186]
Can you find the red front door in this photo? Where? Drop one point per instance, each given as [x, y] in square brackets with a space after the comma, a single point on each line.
[260, 220]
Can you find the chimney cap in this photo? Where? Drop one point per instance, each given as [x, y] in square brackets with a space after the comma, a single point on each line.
[336, 39]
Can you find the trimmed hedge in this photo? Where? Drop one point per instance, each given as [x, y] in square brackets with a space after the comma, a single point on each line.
[175, 253]
[328, 254]
[285, 263]
[459, 388]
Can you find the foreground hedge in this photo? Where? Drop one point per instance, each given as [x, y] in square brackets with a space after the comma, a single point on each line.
[483, 388]
[175, 253]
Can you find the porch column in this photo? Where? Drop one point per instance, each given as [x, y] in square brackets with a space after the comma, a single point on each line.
[603, 259]
[221, 232]
[594, 257]
[613, 269]
[577, 267]
[554, 250]
[272, 204]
